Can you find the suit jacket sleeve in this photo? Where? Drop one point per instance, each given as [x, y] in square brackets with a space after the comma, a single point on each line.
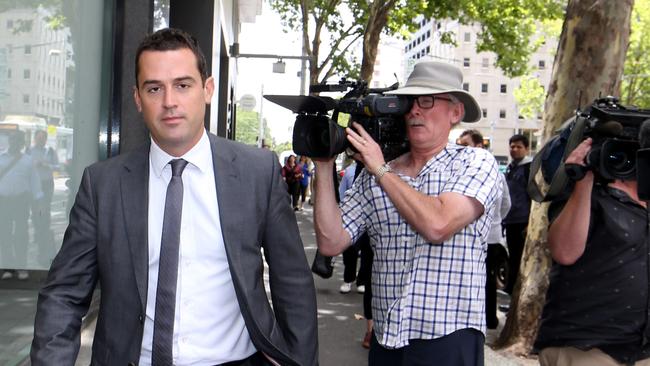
[290, 279]
[67, 293]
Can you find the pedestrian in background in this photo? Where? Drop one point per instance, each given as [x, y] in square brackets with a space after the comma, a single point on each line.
[305, 163]
[516, 222]
[19, 186]
[174, 233]
[46, 162]
[495, 239]
[427, 214]
[292, 173]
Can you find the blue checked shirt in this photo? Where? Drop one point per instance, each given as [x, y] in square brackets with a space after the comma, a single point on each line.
[425, 290]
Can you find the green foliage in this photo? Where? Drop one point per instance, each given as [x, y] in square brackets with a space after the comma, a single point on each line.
[530, 97]
[282, 147]
[506, 27]
[247, 128]
[635, 88]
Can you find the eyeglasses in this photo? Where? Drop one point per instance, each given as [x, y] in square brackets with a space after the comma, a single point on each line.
[427, 101]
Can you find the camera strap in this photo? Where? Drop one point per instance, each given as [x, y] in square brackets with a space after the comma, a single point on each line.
[560, 178]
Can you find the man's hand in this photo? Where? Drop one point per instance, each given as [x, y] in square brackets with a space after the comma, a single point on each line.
[575, 165]
[369, 152]
[579, 154]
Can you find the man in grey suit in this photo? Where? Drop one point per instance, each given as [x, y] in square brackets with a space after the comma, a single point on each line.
[234, 206]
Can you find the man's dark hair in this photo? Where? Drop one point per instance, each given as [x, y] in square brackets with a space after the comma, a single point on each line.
[477, 137]
[170, 39]
[519, 138]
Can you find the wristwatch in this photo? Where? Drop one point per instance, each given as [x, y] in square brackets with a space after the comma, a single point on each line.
[381, 171]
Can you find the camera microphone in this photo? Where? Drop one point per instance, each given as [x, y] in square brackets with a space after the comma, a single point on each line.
[644, 134]
[609, 128]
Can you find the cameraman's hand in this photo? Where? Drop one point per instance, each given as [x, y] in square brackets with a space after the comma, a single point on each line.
[369, 152]
[579, 154]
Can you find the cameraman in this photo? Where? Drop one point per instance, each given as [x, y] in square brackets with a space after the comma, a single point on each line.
[428, 215]
[596, 310]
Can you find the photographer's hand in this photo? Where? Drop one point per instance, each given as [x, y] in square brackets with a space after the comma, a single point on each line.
[369, 152]
[575, 165]
[579, 154]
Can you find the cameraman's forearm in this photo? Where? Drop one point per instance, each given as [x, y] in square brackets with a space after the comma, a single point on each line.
[331, 238]
[567, 236]
[435, 218]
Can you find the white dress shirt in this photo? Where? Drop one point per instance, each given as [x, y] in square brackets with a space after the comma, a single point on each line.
[208, 326]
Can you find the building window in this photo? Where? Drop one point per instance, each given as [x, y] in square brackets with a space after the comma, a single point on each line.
[28, 50]
[484, 88]
[484, 112]
[467, 37]
[10, 23]
[504, 88]
[429, 33]
[466, 62]
[26, 98]
[541, 64]
[428, 50]
[466, 87]
[27, 74]
[502, 113]
[8, 73]
[485, 62]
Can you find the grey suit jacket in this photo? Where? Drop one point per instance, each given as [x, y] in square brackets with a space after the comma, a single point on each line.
[106, 243]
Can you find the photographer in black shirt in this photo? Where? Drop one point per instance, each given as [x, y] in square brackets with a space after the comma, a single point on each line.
[596, 310]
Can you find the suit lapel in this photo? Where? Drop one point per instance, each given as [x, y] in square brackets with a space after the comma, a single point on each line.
[134, 187]
[229, 192]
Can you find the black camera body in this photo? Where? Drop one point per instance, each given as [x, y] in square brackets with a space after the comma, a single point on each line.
[614, 130]
[318, 135]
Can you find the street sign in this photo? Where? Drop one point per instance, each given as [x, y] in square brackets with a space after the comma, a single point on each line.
[247, 102]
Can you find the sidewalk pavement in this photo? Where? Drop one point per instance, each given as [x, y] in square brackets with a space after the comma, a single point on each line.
[340, 330]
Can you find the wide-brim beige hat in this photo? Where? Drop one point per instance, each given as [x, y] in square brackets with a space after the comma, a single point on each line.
[431, 77]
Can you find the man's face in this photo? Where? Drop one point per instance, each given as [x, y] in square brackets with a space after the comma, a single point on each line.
[429, 127]
[517, 150]
[466, 140]
[172, 98]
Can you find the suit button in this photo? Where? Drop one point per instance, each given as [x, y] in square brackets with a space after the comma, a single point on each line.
[141, 318]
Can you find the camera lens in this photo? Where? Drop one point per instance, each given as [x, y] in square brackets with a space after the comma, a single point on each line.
[619, 161]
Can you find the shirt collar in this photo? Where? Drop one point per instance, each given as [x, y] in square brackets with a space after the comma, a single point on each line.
[200, 156]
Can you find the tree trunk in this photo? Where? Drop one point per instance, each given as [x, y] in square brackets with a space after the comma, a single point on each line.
[588, 64]
[377, 20]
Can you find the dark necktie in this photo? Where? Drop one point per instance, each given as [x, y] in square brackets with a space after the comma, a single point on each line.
[163, 323]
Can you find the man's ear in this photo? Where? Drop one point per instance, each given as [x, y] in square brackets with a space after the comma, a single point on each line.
[136, 97]
[208, 88]
[458, 112]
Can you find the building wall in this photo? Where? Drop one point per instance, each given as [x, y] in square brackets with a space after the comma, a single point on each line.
[501, 118]
[36, 57]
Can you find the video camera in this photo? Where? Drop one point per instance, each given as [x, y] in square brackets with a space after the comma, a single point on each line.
[620, 148]
[615, 132]
[317, 135]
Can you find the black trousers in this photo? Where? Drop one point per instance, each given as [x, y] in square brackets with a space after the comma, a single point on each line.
[350, 256]
[516, 238]
[491, 263]
[461, 348]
